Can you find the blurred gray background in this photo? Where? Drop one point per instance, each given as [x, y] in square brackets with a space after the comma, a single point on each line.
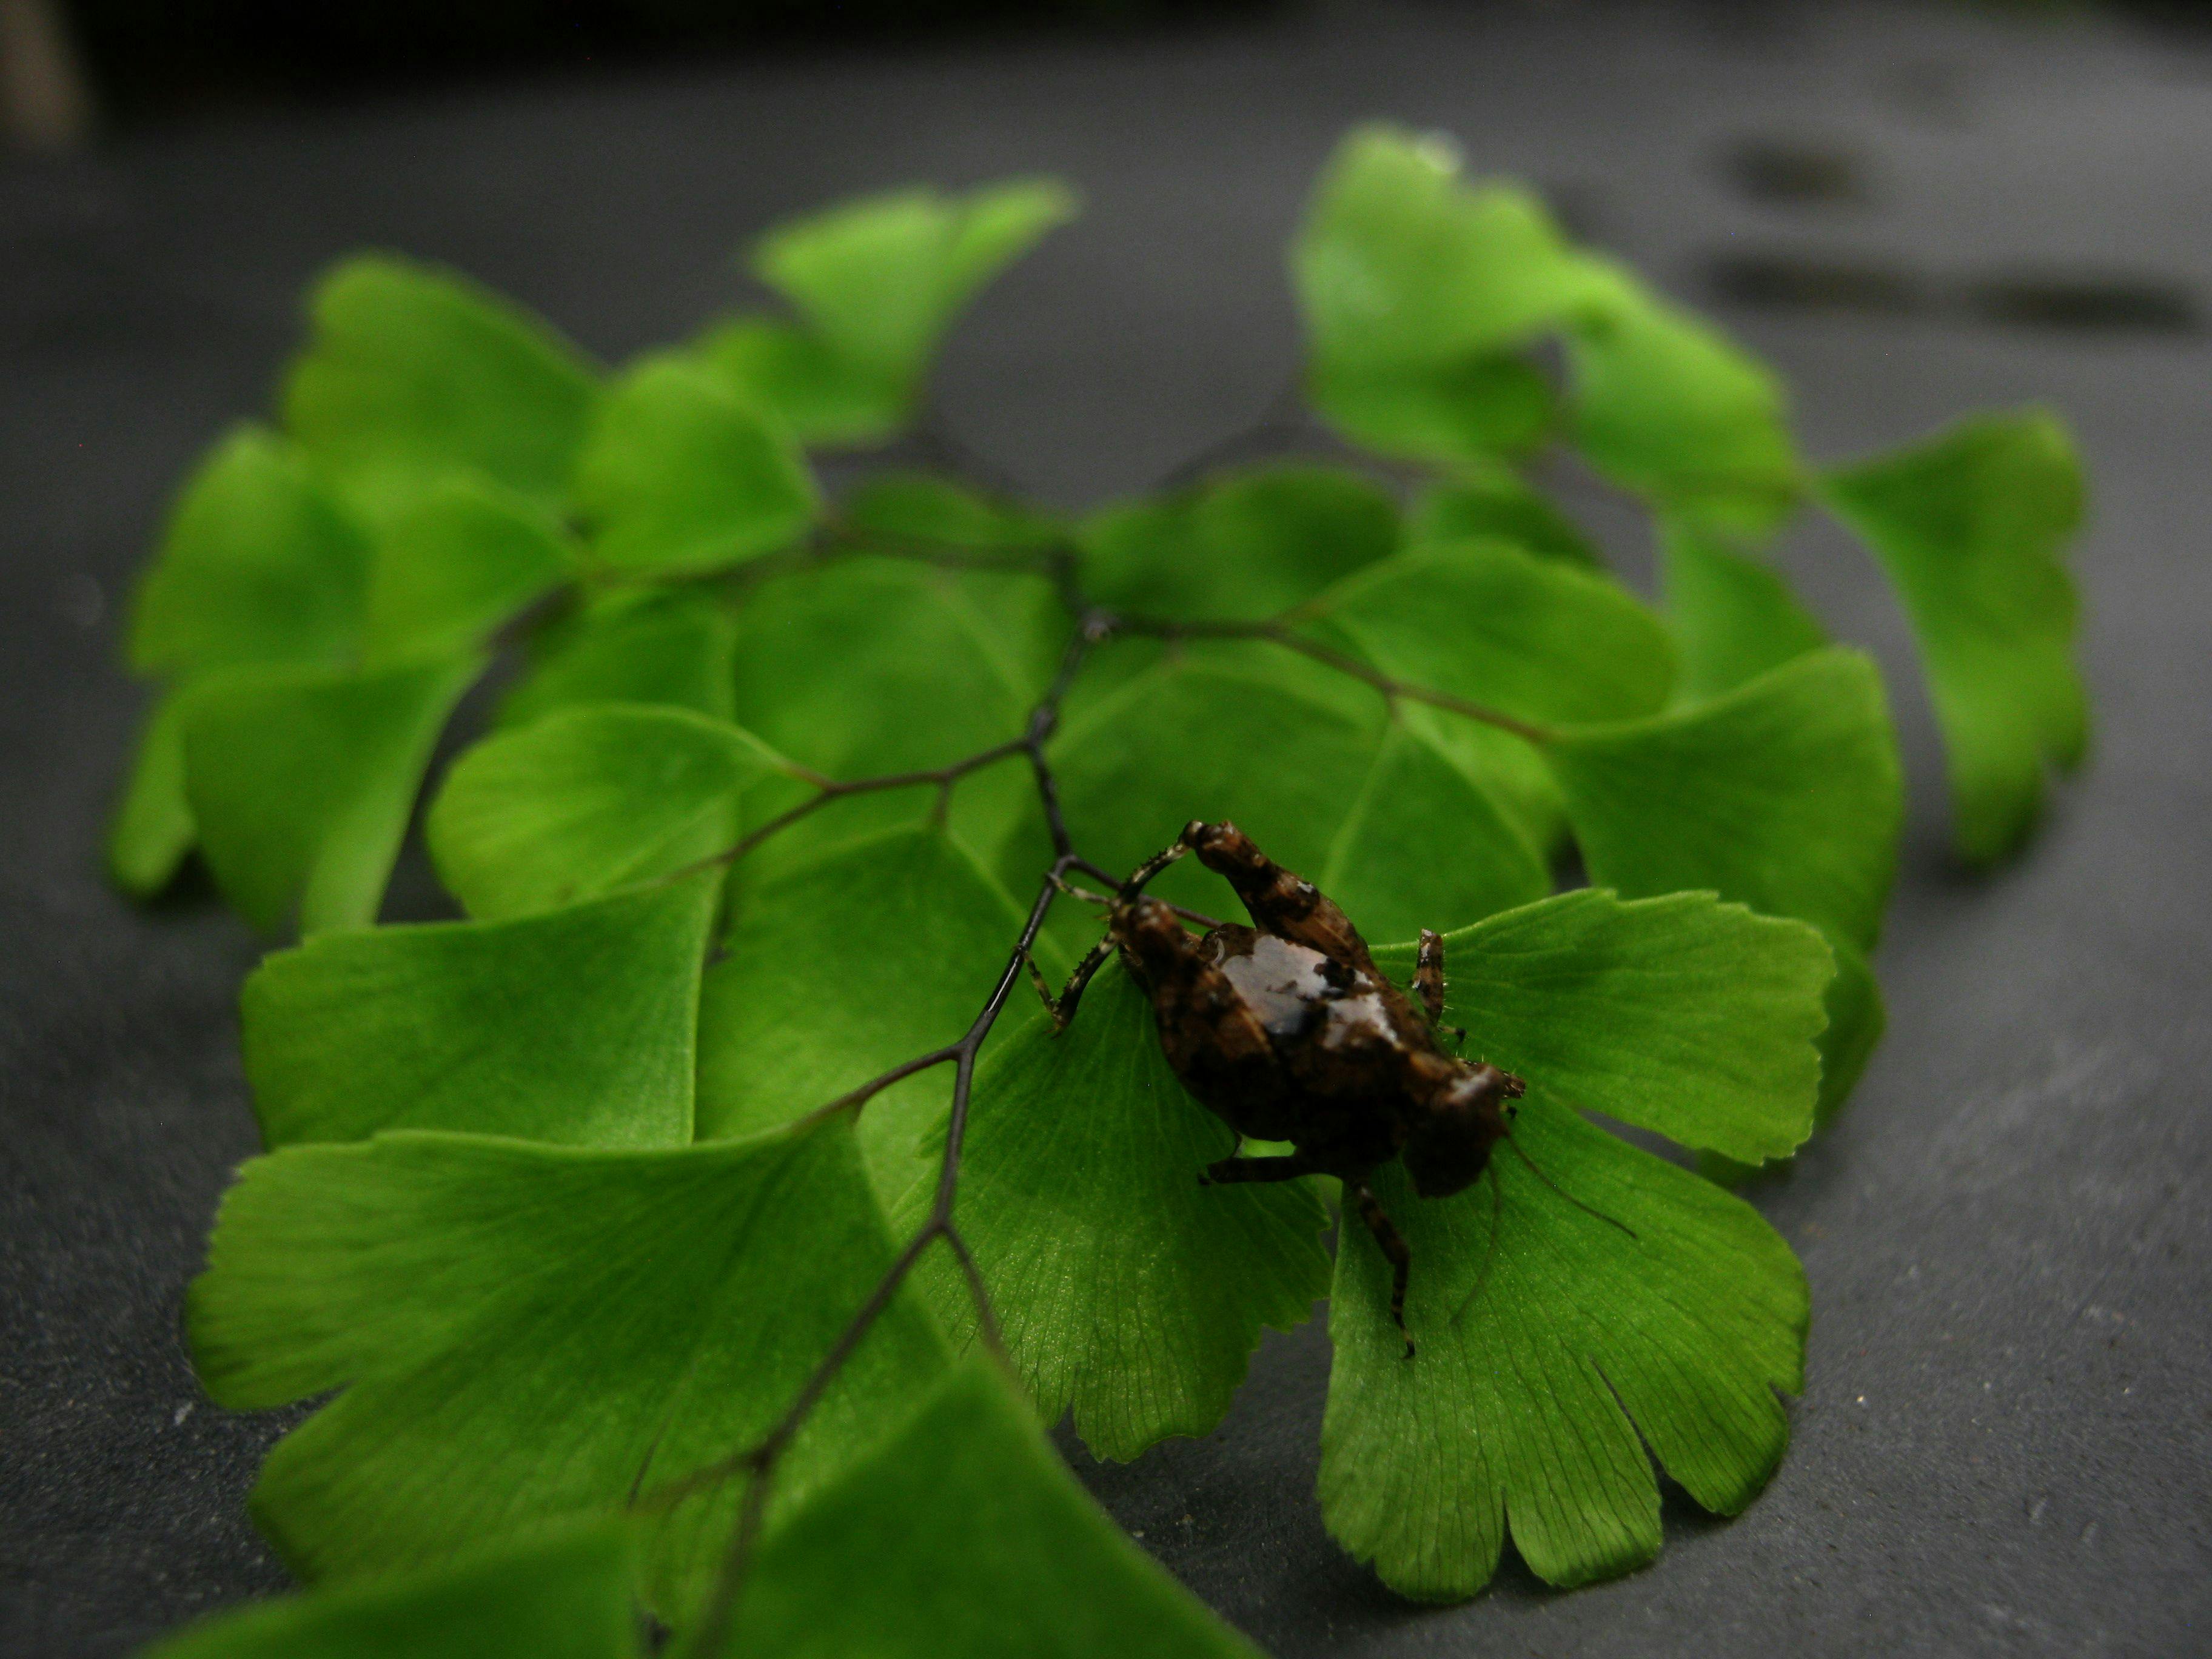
[1913, 210]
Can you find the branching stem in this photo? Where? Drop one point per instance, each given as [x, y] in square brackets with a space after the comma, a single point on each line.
[1094, 624]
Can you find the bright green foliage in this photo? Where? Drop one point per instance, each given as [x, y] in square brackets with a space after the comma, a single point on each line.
[875, 285]
[575, 1026]
[522, 1332]
[921, 513]
[1970, 527]
[821, 397]
[1855, 1018]
[840, 968]
[1123, 1288]
[300, 780]
[1362, 803]
[1528, 637]
[556, 1213]
[966, 1535]
[882, 665]
[1449, 413]
[152, 827]
[680, 474]
[1680, 1014]
[260, 565]
[1557, 1315]
[879, 282]
[1550, 1338]
[1413, 285]
[672, 648]
[454, 565]
[565, 1597]
[1246, 545]
[1664, 405]
[1783, 795]
[587, 800]
[1488, 501]
[1734, 616]
[414, 373]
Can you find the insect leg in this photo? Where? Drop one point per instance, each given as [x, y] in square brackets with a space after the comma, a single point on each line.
[1280, 903]
[1230, 1171]
[1141, 877]
[1062, 1007]
[1429, 975]
[1394, 1251]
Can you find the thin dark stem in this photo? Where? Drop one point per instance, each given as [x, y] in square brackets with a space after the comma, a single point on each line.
[936, 442]
[1277, 631]
[1093, 625]
[829, 789]
[1279, 427]
[760, 1460]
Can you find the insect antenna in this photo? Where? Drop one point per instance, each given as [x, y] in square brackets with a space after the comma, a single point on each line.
[1609, 1220]
[1482, 1274]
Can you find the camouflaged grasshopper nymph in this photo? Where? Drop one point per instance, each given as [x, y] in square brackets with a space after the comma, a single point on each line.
[1289, 1031]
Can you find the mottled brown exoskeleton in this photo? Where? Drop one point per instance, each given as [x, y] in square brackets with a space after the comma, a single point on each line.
[1289, 1031]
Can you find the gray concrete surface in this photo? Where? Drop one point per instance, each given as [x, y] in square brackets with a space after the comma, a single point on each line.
[2005, 1446]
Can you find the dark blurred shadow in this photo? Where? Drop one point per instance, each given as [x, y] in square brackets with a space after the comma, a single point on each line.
[156, 56]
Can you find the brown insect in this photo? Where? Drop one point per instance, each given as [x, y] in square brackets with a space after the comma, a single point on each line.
[1289, 1031]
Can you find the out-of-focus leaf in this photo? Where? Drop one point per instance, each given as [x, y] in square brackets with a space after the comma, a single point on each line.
[1494, 502]
[680, 474]
[452, 566]
[576, 1026]
[1733, 615]
[822, 397]
[923, 509]
[966, 1535]
[672, 648]
[301, 781]
[260, 565]
[1123, 1288]
[586, 800]
[1401, 267]
[841, 968]
[566, 1597]
[1414, 286]
[523, 1332]
[1454, 413]
[1666, 405]
[152, 827]
[414, 373]
[1855, 1021]
[879, 281]
[1970, 527]
[1784, 795]
[1245, 545]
